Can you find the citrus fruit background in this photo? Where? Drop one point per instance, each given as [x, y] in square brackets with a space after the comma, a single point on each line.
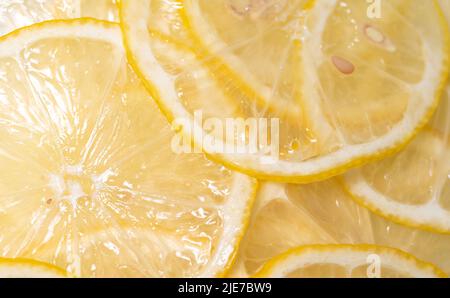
[91, 92]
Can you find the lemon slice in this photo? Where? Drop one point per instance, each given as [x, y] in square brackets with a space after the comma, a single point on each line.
[287, 216]
[412, 187]
[15, 14]
[346, 99]
[89, 159]
[24, 268]
[348, 261]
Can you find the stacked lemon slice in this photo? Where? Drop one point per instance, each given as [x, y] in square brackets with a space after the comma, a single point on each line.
[345, 88]
[287, 216]
[116, 164]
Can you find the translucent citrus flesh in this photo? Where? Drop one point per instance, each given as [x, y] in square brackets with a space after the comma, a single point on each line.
[356, 109]
[385, 69]
[412, 186]
[19, 13]
[343, 261]
[257, 40]
[287, 215]
[193, 82]
[420, 161]
[168, 25]
[329, 120]
[359, 109]
[93, 184]
[80, 193]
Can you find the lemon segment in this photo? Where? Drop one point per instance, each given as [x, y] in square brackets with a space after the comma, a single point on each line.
[23, 268]
[94, 184]
[366, 78]
[342, 261]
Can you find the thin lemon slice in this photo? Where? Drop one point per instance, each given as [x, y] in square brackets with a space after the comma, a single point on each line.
[348, 100]
[24, 268]
[412, 187]
[15, 14]
[348, 261]
[286, 216]
[89, 159]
